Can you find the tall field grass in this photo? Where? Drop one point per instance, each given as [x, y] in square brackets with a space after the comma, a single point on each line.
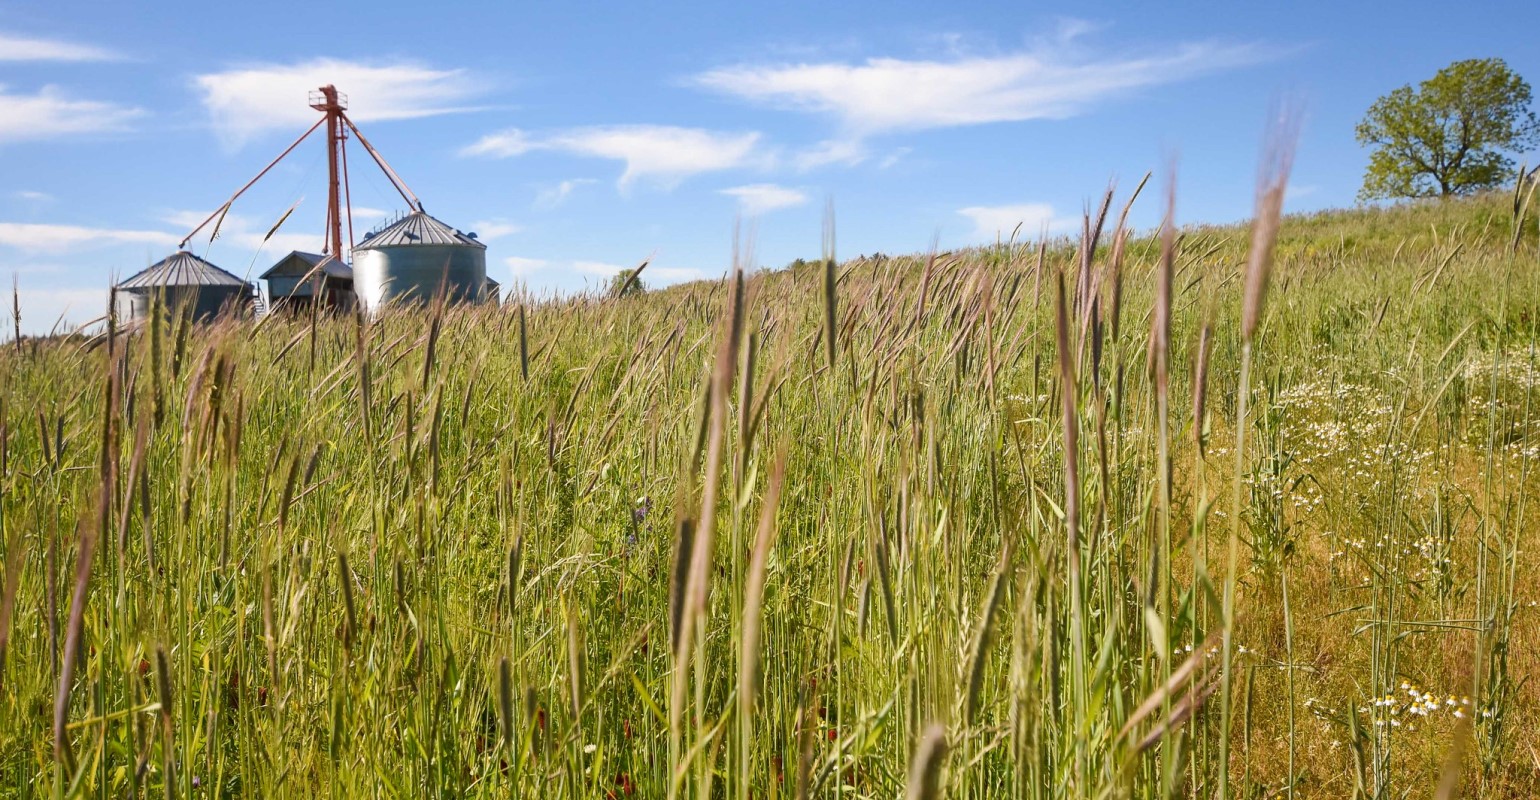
[1238, 511]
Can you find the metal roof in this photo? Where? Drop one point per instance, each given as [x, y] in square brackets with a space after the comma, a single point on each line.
[181, 269]
[308, 261]
[336, 269]
[416, 228]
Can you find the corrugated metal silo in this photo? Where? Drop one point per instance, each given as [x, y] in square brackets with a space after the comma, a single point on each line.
[183, 279]
[412, 257]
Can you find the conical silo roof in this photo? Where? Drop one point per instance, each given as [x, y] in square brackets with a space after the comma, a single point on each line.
[181, 269]
[416, 228]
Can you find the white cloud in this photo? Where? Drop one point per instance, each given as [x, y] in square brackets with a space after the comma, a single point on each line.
[22, 48]
[487, 230]
[28, 267]
[278, 246]
[1293, 192]
[597, 268]
[653, 275]
[187, 218]
[558, 194]
[365, 212]
[245, 102]
[503, 144]
[247, 236]
[51, 113]
[523, 266]
[33, 196]
[894, 157]
[43, 310]
[45, 238]
[992, 221]
[760, 198]
[1049, 81]
[669, 275]
[846, 152]
[661, 153]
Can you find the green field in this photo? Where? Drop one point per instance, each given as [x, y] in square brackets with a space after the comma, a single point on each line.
[687, 543]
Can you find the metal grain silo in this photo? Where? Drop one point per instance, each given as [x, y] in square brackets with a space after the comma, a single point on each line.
[183, 280]
[412, 257]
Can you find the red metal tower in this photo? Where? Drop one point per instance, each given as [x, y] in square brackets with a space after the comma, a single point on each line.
[328, 101]
[334, 105]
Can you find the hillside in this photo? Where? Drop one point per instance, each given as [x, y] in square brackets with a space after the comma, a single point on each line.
[450, 552]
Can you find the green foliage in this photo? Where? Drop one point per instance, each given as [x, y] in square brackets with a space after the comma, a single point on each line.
[403, 575]
[625, 283]
[1449, 136]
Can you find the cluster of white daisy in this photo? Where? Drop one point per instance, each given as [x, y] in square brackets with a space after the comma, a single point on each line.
[1514, 369]
[1425, 703]
[1424, 558]
[1390, 710]
[1338, 431]
[1517, 380]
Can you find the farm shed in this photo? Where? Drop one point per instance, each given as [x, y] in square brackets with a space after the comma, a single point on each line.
[292, 283]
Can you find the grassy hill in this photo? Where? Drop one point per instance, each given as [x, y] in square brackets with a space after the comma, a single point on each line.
[677, 543]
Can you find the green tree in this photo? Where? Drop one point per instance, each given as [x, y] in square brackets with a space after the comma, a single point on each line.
[626, 283]
[1449, 135]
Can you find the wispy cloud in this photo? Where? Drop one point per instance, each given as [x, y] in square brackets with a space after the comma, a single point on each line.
[662, 154]
[488, 229]
[893, 157]
[1299, 192]
[654, 275]
[249, 236]
[48, 308]
[990, 222]
[599, 268]
[1047, 81]
[52, 112]
[33, 196]
[30, 48]
[523, 266]
[760, 198]
[844, 152]
[248, 101]
[29, 267]
[46, 238]
[554, 196]
[668, 275]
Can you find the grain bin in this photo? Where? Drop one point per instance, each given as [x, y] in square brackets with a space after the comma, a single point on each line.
[409, 259]
[183, 280]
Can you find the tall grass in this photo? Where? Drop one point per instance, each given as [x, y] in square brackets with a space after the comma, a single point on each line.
[933, 526]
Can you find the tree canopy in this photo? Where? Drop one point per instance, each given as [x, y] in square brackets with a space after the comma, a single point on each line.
[1450, 135]
[626, 283]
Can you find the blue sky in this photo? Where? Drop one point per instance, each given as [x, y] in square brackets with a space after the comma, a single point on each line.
[580, 138]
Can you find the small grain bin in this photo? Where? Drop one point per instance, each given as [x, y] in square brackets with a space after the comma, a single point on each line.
[409, 260]
[184, 280]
